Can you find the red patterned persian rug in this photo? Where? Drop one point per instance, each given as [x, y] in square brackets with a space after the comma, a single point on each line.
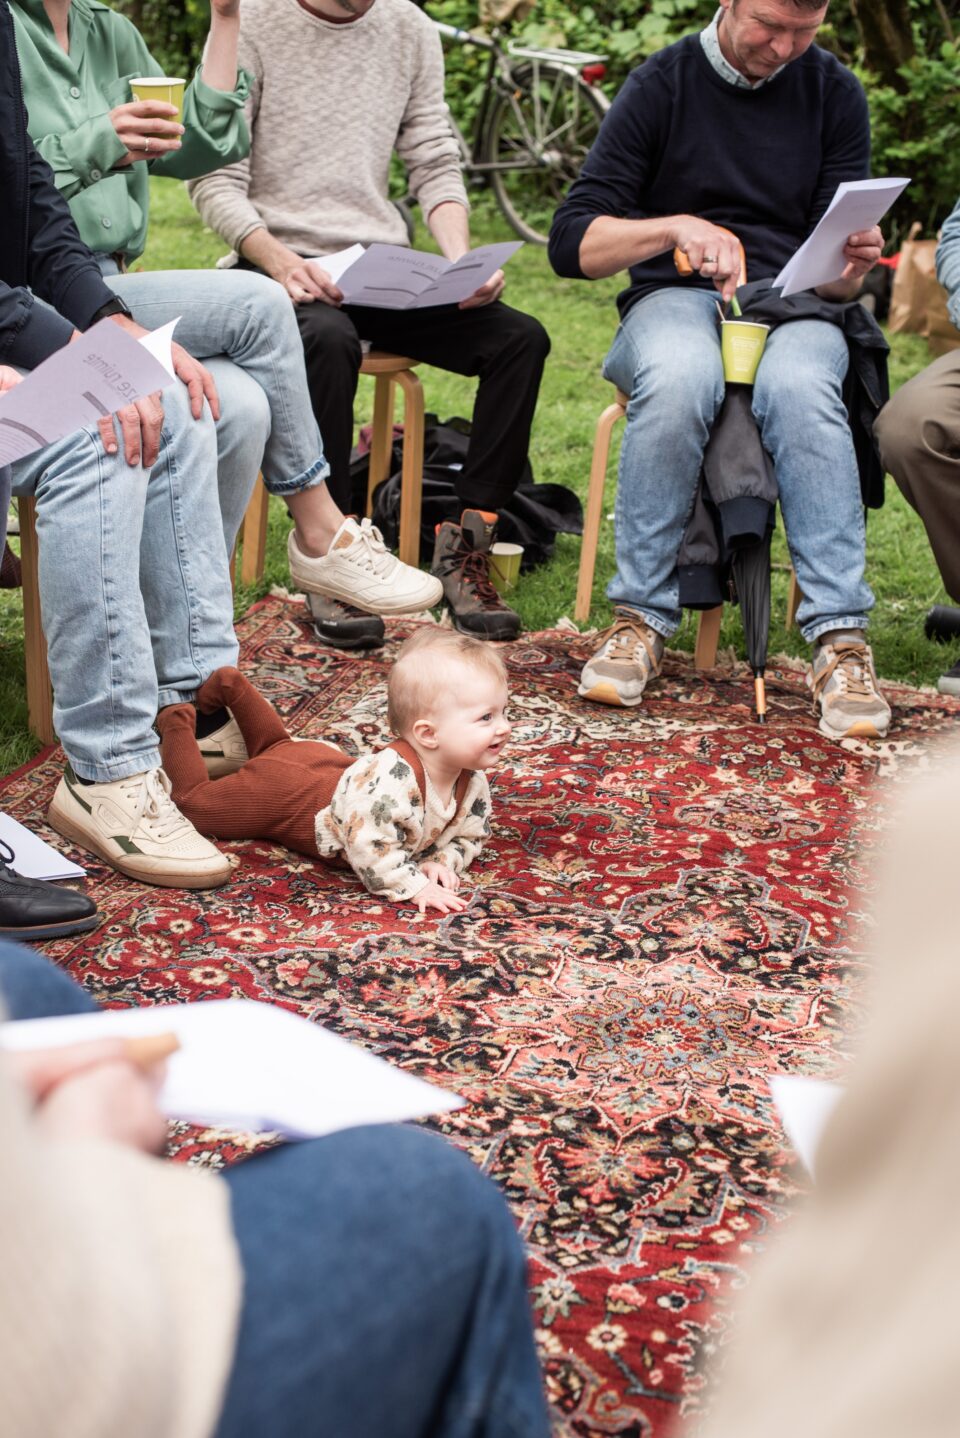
[665, 916]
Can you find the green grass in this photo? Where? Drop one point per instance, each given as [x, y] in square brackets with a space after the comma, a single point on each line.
[580, 319]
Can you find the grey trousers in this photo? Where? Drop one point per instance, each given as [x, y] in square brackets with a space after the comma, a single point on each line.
[919, 436]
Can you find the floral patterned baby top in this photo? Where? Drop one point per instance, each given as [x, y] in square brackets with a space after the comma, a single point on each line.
[381, 823]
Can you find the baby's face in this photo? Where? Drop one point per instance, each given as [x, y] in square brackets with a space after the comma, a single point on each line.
[470, 720]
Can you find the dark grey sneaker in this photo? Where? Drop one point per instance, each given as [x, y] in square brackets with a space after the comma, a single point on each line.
[460, 563]
[343, 626]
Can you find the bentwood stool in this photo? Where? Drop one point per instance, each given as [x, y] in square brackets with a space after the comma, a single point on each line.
[39, 692]
[708, 625]
[389, 370]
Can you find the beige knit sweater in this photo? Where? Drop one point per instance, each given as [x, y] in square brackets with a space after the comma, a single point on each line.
[328, 106]
[120, 1289]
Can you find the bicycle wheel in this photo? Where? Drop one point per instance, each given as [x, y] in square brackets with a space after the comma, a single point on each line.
[538, 135]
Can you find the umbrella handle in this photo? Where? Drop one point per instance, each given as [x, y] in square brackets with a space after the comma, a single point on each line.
[684, 267]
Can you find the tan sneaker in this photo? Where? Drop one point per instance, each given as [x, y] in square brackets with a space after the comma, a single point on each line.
[359, 569]
[844, 684]
[629, 654]
[224, 751]
[134, 825]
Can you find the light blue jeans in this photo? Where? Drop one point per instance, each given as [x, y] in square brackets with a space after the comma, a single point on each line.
[242, 326]
[134, 585]
[666, 357]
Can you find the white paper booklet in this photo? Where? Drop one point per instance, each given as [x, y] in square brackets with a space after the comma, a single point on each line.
[244, 1065]
[32, 858]
[392, 277]
[96, 375]
[857, 205]
[805, 1105]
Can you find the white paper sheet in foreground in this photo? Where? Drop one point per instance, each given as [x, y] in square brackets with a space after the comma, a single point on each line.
[805, 1105]
[33, 858]
[393, 277]
[857, 205]
[244, 1065]
[96, 375]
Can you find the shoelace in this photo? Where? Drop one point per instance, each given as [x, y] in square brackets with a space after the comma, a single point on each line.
[7, 856]
[375, 556]
[626, 641]
[154, 805]
[472, 564]
[849, 663]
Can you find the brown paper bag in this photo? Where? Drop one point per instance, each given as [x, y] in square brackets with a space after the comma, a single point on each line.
[918, 302]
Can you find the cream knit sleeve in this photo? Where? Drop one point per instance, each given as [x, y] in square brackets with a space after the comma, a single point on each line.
[120, 1288]
[426, 143]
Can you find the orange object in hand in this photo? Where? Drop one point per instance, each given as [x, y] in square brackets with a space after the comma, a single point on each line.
[684, 267]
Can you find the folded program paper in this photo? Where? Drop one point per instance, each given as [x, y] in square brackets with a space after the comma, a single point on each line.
[857, 205]
[245, 1065]
[394, 277]
[100, 372]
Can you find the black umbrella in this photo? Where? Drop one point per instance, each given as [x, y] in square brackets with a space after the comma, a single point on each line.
[740, 479]
[751, 575]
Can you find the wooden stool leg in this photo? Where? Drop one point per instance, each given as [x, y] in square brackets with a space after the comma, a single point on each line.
[793, 600]
[411, 483]
[255, 534]
[708, 638]
[381, 445]
[594, 510]
[39, 693]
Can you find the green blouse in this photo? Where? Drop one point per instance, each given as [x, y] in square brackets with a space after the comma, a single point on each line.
[69, 97]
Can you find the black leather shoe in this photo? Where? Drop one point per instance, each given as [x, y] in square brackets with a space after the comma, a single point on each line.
[343, 626]
[34, 909]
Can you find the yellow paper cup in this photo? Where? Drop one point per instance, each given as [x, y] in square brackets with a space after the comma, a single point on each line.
[741, 344]
[160, 87]
[503, 564]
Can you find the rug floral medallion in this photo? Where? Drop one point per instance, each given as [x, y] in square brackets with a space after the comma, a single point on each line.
[668, 913]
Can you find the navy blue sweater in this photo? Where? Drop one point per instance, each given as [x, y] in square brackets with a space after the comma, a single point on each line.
[40, 250]
[680, 140]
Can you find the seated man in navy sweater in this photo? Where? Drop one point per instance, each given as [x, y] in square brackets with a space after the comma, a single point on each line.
[746, 128]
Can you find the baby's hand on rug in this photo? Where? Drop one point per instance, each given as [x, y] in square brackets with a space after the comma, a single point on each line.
[432, 896]
[440, 874]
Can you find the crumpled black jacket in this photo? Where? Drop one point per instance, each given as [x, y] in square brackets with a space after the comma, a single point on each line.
[737, 494]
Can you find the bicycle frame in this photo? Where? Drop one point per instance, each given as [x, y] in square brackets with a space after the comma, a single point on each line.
[499, 79]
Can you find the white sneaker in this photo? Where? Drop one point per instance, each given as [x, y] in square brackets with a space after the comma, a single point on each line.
[359, 569]
[224, 751]
[135, 826]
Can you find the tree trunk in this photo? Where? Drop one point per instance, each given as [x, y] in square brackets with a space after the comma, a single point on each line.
[884, 27]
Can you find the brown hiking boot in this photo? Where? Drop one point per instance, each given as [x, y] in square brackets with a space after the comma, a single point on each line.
[460, 563]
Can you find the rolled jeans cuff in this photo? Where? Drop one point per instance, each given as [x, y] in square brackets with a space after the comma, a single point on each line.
[812, 632]
[118, 769]
[652, 621]
[312, 478]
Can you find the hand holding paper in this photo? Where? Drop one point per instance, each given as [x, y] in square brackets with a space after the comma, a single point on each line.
[101, 372]
[247, 1065]
[857, 207]
[393, 277]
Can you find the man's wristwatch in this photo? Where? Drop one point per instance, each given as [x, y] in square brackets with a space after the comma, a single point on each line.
[114, 306]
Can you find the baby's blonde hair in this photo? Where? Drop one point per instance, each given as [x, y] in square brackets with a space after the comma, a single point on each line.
[422, 668]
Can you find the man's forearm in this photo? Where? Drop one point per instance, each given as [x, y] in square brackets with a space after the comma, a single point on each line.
[611, 245]
[450, 226]
[841, 290]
